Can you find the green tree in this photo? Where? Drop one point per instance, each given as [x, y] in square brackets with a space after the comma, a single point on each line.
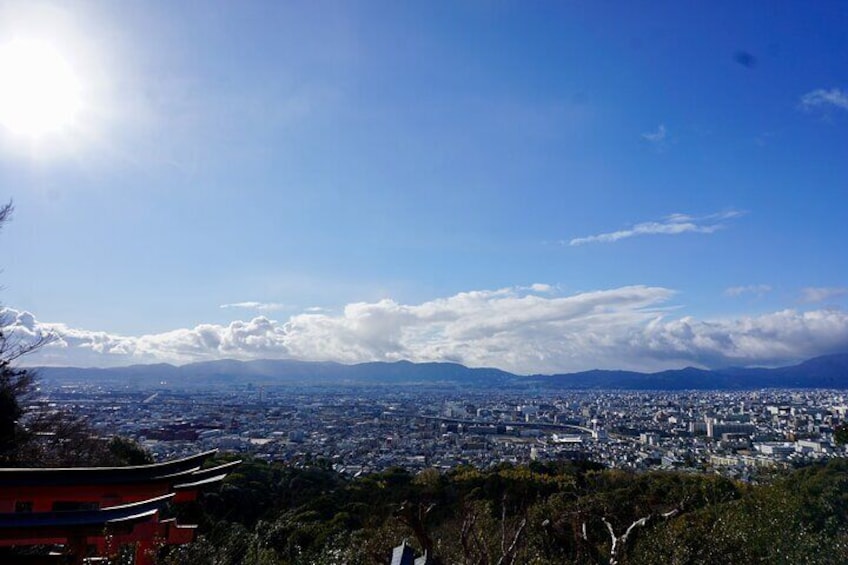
[125, 451]
[840, 434]
[14, 384]
[17, 385]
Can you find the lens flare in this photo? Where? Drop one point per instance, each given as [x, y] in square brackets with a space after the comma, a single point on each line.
[40, 93]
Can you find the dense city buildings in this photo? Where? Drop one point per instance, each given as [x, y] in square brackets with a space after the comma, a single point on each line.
[365, 429]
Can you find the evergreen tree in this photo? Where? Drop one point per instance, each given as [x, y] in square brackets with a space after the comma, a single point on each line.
[16, 384]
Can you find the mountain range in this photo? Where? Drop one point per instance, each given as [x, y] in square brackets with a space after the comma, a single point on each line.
[830, 371]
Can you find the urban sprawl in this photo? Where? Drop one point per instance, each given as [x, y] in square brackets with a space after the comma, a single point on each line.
[356, 430]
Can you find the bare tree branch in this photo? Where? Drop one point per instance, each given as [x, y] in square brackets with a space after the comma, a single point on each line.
[6, 212]
[619, 543]
[510, 552]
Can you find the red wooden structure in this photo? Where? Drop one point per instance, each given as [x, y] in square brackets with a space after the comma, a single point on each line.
[101, 508]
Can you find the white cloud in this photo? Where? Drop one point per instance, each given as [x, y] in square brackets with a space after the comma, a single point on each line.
[769, 339]
[820, 294]
[823, 98]
[516, 329]
[253, 305]
[755, 289]
[656, 136]
[673, 224]
[541, 288]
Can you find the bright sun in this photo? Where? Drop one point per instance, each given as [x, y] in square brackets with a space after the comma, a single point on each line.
[39, 91]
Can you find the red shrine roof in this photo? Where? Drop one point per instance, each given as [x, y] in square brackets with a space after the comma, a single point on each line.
[54, 476]
[81, 507]
[49, 524]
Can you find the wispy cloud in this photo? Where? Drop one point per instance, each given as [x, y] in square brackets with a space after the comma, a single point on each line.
[823, 98]
[820, 294]
[674, 224]
[514, 328]
[259, 306]
[656, 136]
[755, 289]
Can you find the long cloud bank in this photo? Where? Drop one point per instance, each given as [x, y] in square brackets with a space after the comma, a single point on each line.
[520, 329]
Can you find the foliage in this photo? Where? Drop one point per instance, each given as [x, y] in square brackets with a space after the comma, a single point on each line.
[840, 434]
[789, 521]
[16, 386]
[535, 514]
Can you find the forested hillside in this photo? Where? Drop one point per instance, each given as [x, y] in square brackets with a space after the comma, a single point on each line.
[538, 514]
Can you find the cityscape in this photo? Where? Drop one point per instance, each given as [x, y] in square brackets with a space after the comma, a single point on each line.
[356, 430]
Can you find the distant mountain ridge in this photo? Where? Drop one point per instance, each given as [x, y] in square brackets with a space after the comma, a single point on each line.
[830, 371]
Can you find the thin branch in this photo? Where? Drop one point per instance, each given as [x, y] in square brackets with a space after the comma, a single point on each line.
[6, 212]
[503, 525]
[510, 552]
[467, 525]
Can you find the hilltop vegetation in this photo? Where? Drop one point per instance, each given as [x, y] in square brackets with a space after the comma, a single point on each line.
[538, 514]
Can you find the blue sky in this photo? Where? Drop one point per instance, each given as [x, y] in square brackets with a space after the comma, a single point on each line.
[553, 187]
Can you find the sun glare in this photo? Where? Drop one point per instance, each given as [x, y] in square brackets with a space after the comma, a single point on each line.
[39, 91]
